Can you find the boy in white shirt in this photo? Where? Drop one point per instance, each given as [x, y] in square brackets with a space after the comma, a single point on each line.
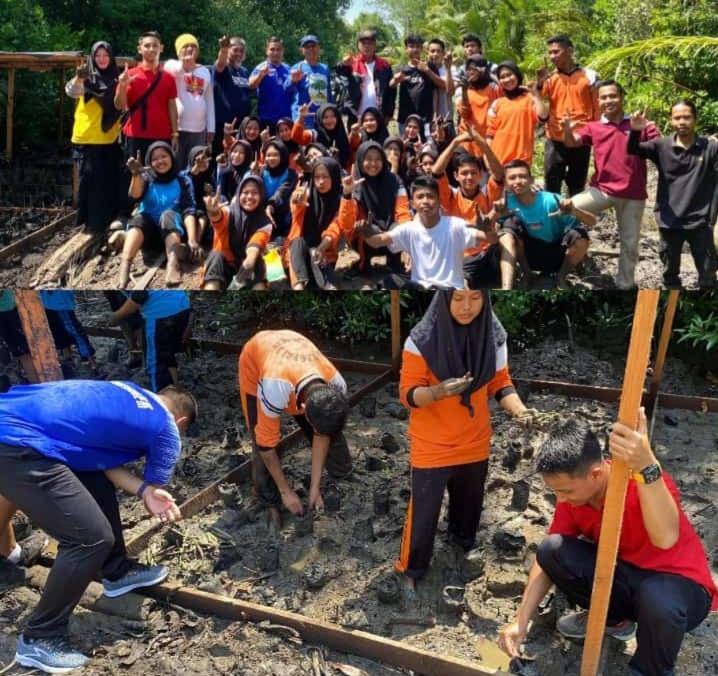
[435, 242]
[195, 102]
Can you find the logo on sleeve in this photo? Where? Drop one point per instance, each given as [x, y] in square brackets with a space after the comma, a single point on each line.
[141, 401]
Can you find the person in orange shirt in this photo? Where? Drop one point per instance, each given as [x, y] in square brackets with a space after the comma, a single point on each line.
[512, 118]
[454, 359]
[474, 198]
[570, 90]
[310, 249]
[282, 371]
[478, 92]
[241, 233]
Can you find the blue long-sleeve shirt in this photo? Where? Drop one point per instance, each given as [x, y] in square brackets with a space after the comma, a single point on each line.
[92, 425]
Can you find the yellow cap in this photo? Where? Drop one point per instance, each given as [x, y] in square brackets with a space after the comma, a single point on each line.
[184, 40]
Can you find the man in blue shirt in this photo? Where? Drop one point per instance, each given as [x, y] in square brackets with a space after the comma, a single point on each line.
[231, 86]
[62, 448]
[309, 81]
[547, 230]
[269, 77]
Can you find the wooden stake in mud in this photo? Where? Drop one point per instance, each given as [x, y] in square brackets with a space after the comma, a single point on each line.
[38, 336]
[666, 329]
[639, 351]
[10, 114]
[395, 331]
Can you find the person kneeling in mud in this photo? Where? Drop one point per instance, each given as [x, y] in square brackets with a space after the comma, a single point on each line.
[282, 371]
[242, 231]
[63, 447]
[662, 581]
[166, 213]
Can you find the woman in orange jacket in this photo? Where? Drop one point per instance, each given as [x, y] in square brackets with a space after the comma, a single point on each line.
[311, 246]
[242, 231]
[454, 360]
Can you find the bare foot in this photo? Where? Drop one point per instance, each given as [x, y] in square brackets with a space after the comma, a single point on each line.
[173, 276]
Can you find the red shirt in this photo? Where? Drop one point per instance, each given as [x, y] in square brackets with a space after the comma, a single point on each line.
[617, 173]
[686, 558]
[157, 116]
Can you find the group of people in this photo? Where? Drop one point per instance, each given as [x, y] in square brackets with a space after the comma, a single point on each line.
[63, 446]
[417, 176]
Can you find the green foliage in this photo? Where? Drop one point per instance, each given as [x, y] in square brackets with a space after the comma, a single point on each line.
[701, 332]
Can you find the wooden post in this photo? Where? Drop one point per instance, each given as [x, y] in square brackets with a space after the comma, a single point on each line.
[395, 331]
[38, 336]
[10, 113]
[665, 339]
[61, 108]
[639, 351]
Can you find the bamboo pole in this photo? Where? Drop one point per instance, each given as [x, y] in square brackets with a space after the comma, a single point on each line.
[10, 114]
[37, 333]
[395, 331]
[639, 351]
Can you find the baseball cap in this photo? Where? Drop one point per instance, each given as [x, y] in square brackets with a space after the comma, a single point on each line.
[308, 39]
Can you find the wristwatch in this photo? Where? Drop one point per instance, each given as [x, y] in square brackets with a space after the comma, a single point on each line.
[648, 475]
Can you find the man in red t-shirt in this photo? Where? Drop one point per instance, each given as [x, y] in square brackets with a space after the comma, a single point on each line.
[152, 117]
[661, 581]
[620, 178]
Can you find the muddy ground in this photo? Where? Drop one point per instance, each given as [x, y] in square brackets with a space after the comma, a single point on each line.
[336, 572]
[100, 270]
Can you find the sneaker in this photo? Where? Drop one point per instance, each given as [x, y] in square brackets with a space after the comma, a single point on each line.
[574, 625]
[32, 548]
[51, 655]
[137, 576]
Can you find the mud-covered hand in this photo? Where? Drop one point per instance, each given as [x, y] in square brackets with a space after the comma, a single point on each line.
[160, 503]
[135, 166]
[292, 502]
[316, 501]
[528, 417]
[510, 639]
[213, 203]
[451, 387]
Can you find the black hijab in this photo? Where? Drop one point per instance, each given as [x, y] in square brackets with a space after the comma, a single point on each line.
[381, 133]
[243, 224]
[101, 85]
[283, 165]
[336, 137]
[257, 143]
[377, 194]
[479, 62]
[403, 154]
[323, 208]
[452, 349]
[420, 121]
[198, 180]
[292, 146]
[519, 90]
[169, 176]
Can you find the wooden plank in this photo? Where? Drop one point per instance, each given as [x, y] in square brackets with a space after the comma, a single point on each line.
[38, 336]
[639, 351]
[38, 236]
[395, 331]
[72, 251]
[333, 636]
[10, 113]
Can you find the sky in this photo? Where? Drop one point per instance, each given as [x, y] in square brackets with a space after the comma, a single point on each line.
[357, 7]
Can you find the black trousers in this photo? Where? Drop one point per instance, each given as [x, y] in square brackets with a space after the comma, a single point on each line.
[80, 511]
[465, 484]
[99, 199]
[562, 163]
[338, 465]
[700, 240]
[302, 264]
[665, 606]
[163, 340]
[67, 331]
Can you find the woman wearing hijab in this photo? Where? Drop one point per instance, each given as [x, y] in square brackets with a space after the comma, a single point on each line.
[199, 172]
[94, 136]
[284, 133]
[377, 194]
[397, 156]
[454, 359]
[241, 233]
[512, 118]
[370, 127]
[328, 130]
[279, 182]
[165, 215]
[477, 96]
[232, 167]
[312, 244]
[250, 131]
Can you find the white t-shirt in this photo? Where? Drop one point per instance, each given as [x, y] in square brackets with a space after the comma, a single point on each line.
[195, 97]
[368, 89]
[437, 254]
